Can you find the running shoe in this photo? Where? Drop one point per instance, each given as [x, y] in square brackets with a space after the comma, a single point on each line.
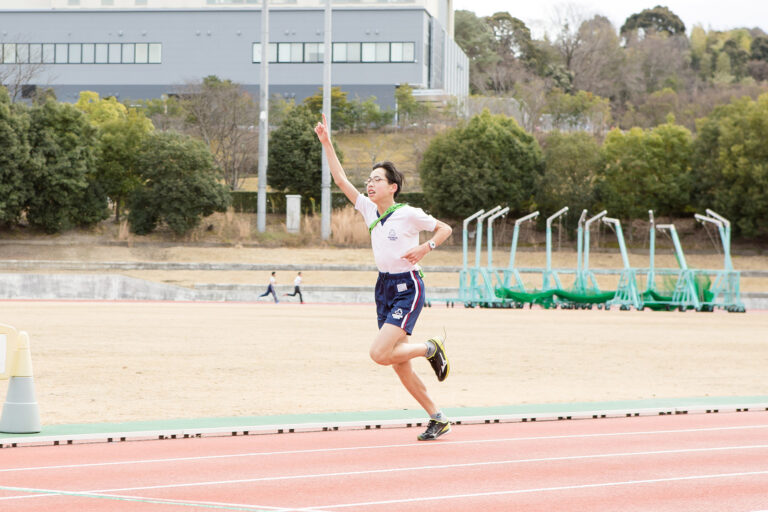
[434, 430]
[439, 360]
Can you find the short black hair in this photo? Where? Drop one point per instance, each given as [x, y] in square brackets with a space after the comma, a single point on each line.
[392, 174]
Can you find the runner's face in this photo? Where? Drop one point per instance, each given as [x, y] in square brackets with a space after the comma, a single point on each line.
[378, 186]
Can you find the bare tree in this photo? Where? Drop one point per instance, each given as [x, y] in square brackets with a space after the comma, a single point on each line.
[569, 18]
[225, 117]
[598, 59]
[532, 95]
[16, 74]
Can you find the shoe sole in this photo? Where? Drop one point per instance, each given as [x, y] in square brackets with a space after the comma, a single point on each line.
[441, 349]
[433, 438]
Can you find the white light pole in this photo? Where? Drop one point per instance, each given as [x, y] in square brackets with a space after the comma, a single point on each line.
[261, 198]
[325, 192]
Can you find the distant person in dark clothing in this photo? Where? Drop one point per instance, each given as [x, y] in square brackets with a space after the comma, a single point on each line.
[296, 288]
[271, 288]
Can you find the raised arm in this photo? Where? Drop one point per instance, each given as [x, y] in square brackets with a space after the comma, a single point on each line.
[339, 176]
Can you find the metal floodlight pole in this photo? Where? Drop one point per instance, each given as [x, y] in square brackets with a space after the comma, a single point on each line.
[549, 235]
[500, 213]
[465, 236]
[479, 233]
[325, 193]
[513, 249]
[261, 197]
[586, 236]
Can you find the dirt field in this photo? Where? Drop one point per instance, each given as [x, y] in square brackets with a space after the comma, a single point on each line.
[131, 361]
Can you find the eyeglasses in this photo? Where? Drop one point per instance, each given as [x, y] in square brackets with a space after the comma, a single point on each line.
[374, 179]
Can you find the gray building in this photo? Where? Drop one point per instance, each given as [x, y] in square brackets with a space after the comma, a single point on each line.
[134, 49]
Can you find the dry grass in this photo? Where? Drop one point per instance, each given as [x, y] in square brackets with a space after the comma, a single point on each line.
[347, 228]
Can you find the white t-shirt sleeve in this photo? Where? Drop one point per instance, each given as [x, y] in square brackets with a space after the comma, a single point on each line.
[367, 208]
[421, 220]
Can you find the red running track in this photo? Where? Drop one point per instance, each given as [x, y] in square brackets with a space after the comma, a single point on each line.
[702, 462]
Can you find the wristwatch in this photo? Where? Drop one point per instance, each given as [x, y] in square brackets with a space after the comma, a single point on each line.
[431, 244]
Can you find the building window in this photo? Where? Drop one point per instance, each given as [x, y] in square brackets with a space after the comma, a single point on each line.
[341, 52]
[81, 53]
[75, 53]
[155, 53]
[313, 52]
[346, 52]
[142, 53]
[89, 50]
[22, 53]
[128, 53]
[114, 53]
[48, 53]
[375, 52]
[61, 53]
[9, 53]
[290, 52]
[101, 53]
[402, 52]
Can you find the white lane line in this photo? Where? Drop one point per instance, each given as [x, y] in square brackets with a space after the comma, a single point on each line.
[383, 447]
[411, 468]
[541, 489]
[160, 501]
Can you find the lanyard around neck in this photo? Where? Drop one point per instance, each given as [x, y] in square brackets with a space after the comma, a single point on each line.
[389, 210]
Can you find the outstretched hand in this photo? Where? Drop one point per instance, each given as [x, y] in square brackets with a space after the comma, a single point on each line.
[321, 129]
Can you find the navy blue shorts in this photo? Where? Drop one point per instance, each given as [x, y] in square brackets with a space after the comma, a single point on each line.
[399, 299]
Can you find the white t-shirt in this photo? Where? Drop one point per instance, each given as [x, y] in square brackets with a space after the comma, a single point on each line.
[396, 235]
[297, 281]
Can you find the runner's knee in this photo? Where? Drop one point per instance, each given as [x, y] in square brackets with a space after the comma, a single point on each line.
[380, 356]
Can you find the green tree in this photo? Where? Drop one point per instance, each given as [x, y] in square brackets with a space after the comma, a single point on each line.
[571, 162]
[65, 189]
[100, 110]
[476, 39]
[121, 131]
[341, 108]
[119, 143]
[759, 48]
[486, 161]
[294, 155]
[646, 170]
[14, 159]
[582, 110]
[180, 184]
[408, 109]
[658, 19]
[731, 158]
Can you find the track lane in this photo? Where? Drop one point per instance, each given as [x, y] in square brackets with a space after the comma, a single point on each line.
[274, 471]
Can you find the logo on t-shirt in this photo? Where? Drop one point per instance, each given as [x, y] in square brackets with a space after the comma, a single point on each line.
[392, 235]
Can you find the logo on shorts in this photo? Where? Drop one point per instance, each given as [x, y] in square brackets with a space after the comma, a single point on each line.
[397, 314]
[392, 235]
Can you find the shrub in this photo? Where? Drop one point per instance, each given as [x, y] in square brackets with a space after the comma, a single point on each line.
[179, 184]
[489, 160]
